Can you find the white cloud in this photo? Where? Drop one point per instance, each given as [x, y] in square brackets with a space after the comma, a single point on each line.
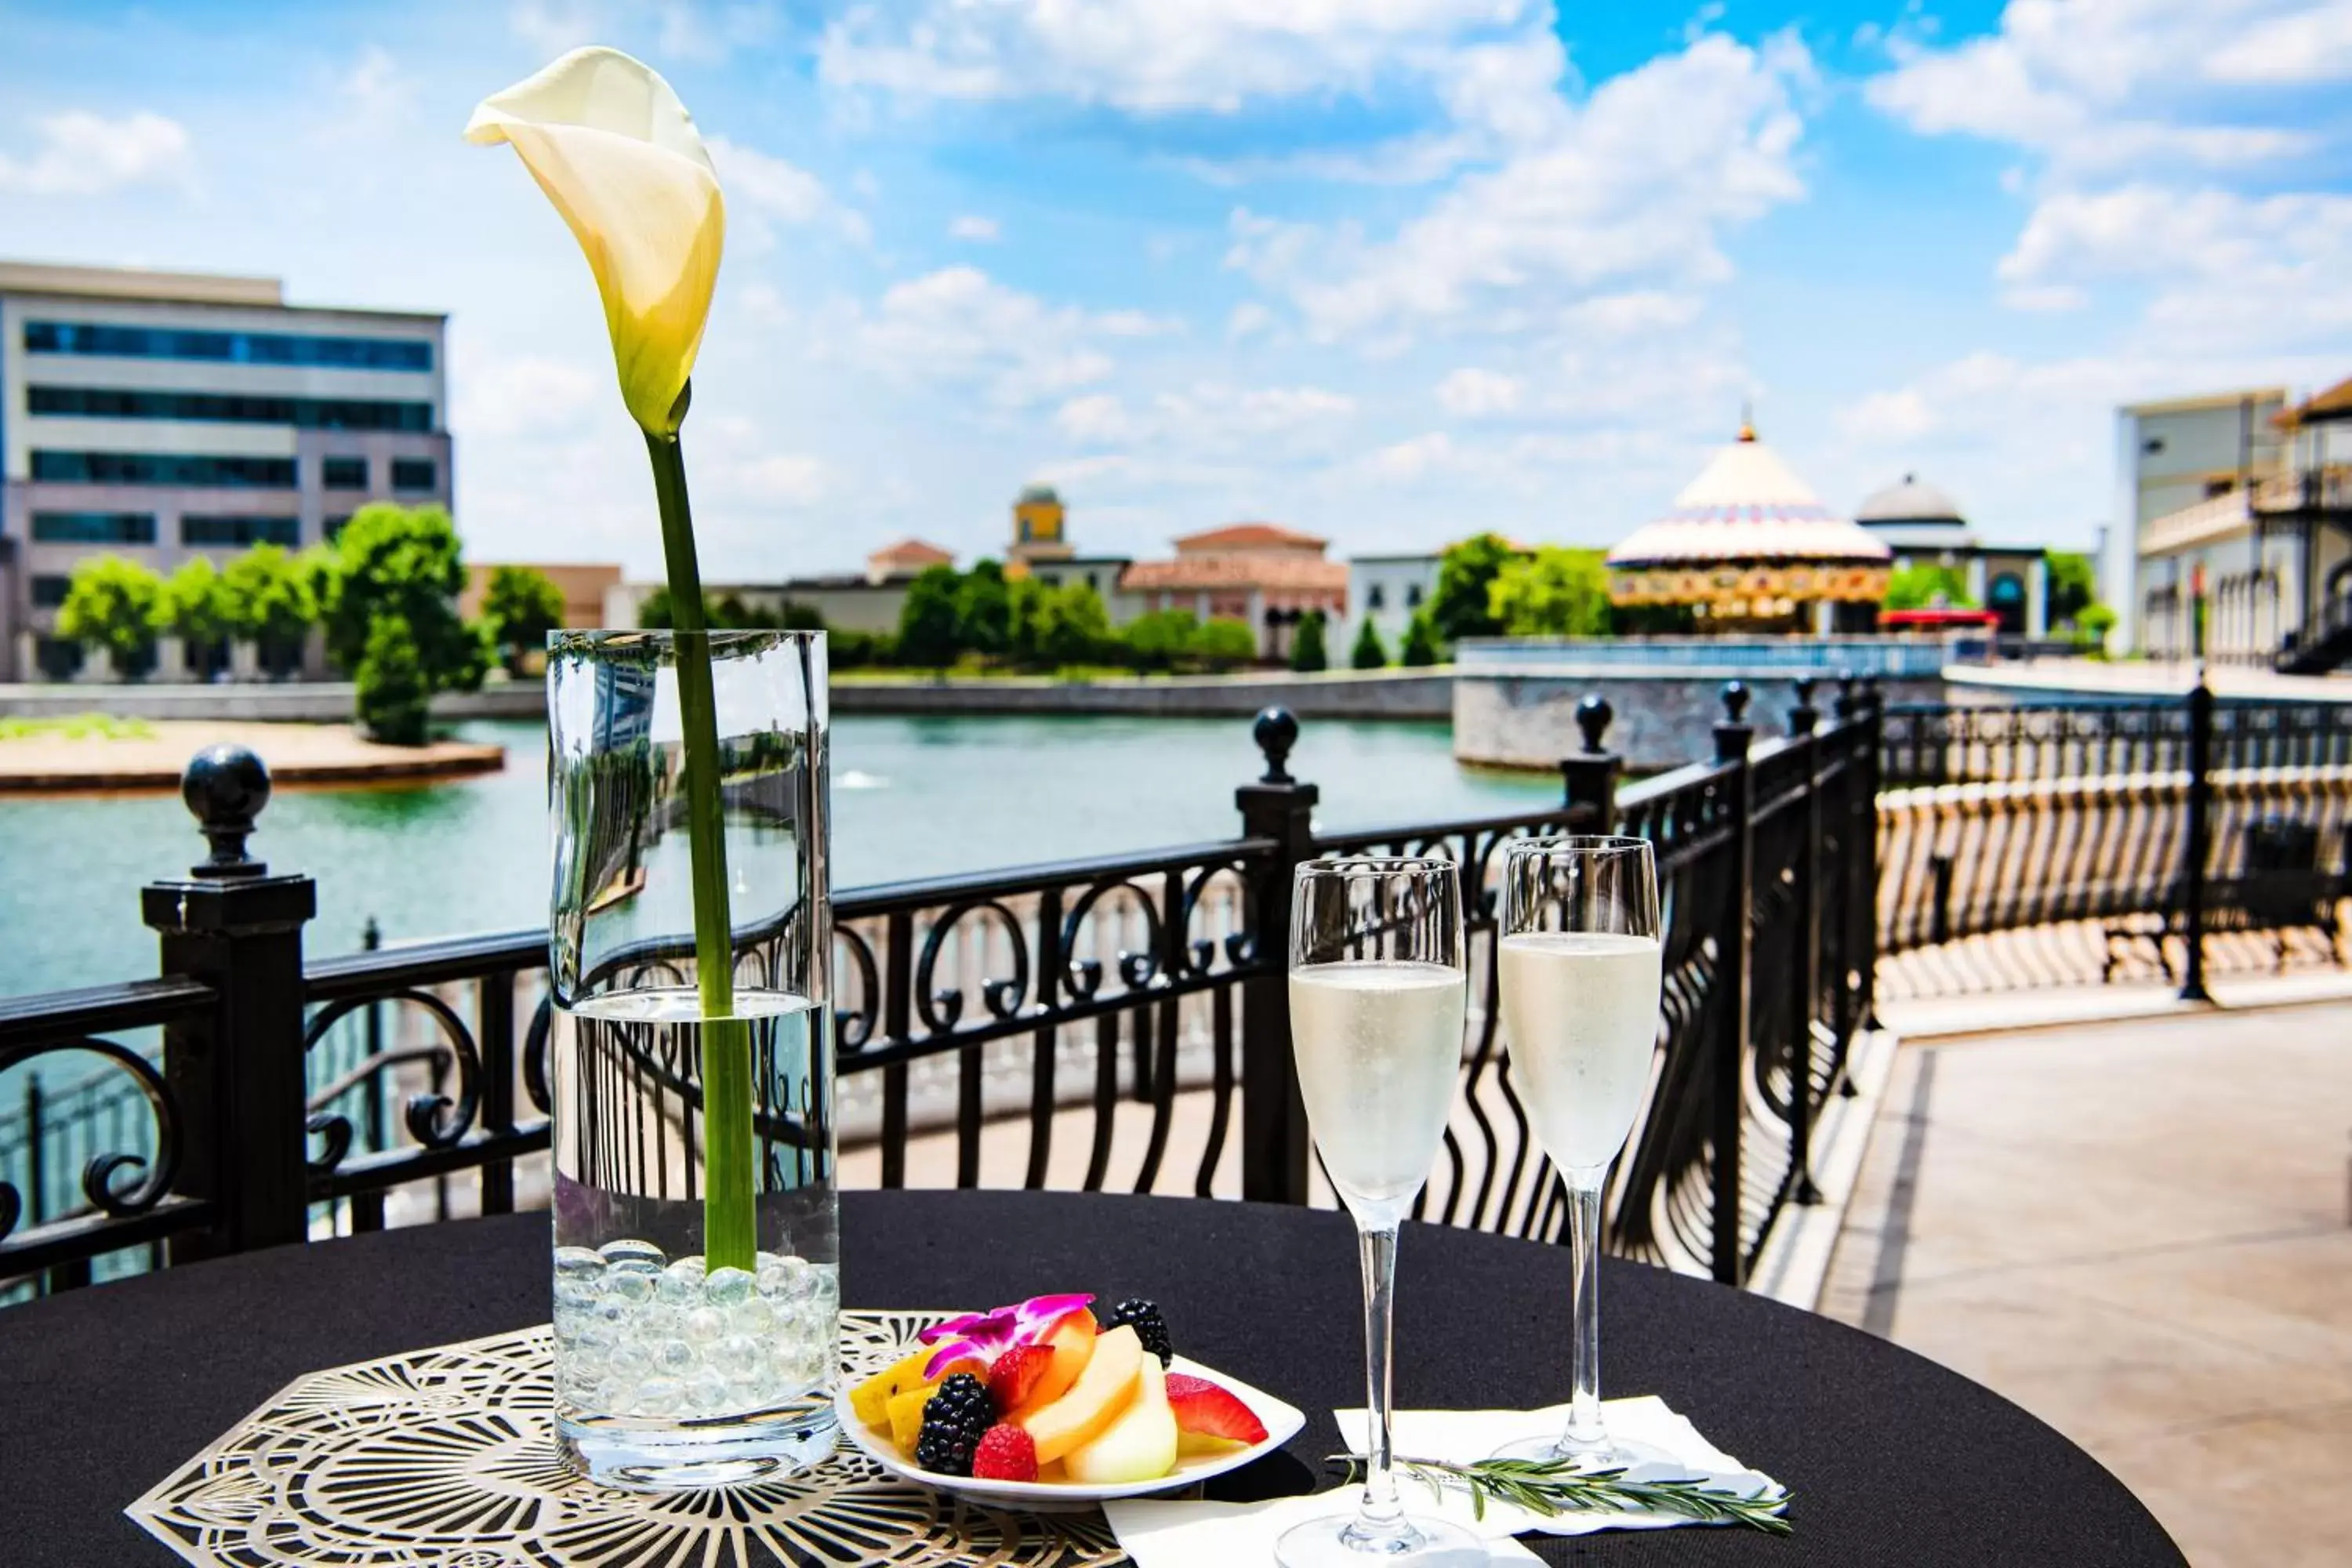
[960, 326]
[763, 185]
[1473, 393]
[1624, 196]
[1412, 459]
[1209, 418]
[2126, 82]
[975, 228]
[704, 31]
[375, 90]
[80, 154]
[1150, 56]
[522, 395]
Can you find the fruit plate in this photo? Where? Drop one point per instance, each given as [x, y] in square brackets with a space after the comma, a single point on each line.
[1282, 1424]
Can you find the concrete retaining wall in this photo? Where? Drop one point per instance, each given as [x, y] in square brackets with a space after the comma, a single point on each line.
[1662, 721]
[1337, 694]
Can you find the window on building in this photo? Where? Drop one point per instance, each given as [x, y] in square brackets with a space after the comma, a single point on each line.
[49, 591]
[1376, 597]
[344, 473]
[2152, 445]
[93, 528]
[333, 526]
[209, 407]
[1094, 581]
[164, 468]
[414, 473]
[108, 340]
[239, 529]
[2218, 487]
[1412, 595]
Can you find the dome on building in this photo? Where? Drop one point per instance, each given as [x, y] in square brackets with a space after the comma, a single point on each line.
[1037, 495]
[1748, 541]
[1914, 514]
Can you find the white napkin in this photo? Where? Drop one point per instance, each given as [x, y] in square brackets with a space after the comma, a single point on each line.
[1158, 1534]
[1461, 1436]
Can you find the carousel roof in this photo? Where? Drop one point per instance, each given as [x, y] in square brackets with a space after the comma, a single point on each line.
[1748, 505]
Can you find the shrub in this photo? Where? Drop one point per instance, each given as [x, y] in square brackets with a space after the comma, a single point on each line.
[1308, 653]
[1420, 643]
[1368, 653]
[1222, 643]
[117, 604]
[394, 697]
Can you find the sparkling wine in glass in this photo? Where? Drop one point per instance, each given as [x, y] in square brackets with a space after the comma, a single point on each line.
[1376, 1004]
[1578, 965]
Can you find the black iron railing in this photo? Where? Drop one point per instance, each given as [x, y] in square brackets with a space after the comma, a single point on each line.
[1122, 1023]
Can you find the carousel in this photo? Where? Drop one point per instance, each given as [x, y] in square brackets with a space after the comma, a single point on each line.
[1749, 547]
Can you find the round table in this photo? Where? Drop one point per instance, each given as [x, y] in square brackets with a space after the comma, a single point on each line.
[1894, 1460]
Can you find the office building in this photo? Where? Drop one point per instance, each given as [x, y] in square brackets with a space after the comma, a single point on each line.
[163, 416]
[2185, 469]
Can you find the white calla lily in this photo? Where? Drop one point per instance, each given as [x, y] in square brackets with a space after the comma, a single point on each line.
[618, 155]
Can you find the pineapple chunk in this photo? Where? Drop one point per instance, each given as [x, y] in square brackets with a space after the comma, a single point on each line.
[871, 1399]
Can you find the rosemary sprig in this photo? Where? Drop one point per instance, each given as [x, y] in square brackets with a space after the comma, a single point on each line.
[1554, 1487]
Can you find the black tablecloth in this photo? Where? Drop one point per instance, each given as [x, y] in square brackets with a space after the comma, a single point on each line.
[1896, 1462]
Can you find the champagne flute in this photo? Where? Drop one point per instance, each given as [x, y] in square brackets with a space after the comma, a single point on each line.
[1376, 1004]
[1578, 965]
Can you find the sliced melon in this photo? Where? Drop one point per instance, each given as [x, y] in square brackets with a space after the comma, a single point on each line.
[1140, 1444]
[1104, 1390]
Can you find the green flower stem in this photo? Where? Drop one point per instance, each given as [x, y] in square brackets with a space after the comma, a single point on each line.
[730, 1233]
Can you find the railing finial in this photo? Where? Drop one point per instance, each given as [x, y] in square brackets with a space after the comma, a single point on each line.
[1735, 701]
[1593, 716]
[225, 786]
[1276, 732]
[1804, 715]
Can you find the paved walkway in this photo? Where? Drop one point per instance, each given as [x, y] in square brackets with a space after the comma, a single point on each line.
[2142, 1232]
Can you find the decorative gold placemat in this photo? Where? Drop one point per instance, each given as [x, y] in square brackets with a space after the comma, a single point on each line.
[442, 1458]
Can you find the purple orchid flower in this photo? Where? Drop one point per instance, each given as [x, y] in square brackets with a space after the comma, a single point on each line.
[984, 1336]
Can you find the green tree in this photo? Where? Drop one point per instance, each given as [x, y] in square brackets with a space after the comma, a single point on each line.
[199, 610]
[393, 563]
[1160, 639]
[654, 612]
[2074, 585]
[1420, 643]
[394, 698]
[117, 604]
[795, 617]
[1925, 585]
[1307, 651]
[521, 605]
[1554, 592]
[985, 610]
[1072, 626]
[1368, 652]
[1462, 605]
[929, 630]
[1222, 643]
[270, 597]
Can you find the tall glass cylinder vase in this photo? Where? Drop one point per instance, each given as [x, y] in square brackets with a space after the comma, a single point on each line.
[697, 1287]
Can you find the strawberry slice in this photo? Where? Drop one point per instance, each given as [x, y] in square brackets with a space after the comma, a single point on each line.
[1207, 1409]
[1016, 1373]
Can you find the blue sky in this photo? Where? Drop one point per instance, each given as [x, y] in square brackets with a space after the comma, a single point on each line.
[1386, 269]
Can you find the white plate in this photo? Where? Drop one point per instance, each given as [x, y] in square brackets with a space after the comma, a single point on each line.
[1282, 1424]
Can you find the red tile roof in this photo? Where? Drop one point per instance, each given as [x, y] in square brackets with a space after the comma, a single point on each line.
[913, 552]
[1248, 536]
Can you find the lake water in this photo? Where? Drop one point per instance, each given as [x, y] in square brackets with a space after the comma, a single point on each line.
[912, 797]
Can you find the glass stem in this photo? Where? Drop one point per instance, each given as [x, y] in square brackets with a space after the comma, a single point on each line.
[1379, 1516]
[729, 1238]
[1585, 1431]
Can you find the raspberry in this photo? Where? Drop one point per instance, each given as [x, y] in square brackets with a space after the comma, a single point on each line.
[953, 1420]
[1006, 1453]
[1149, 1327]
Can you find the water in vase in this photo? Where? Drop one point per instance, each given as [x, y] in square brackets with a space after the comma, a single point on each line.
[670, 1371]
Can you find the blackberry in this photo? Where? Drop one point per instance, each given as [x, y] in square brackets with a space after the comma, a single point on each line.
[1144, 1317]
[953, 1421]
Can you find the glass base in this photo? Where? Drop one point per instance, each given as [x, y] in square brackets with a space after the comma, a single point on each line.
[1419, 1541]
[1606, 1454]
[686, 1456]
